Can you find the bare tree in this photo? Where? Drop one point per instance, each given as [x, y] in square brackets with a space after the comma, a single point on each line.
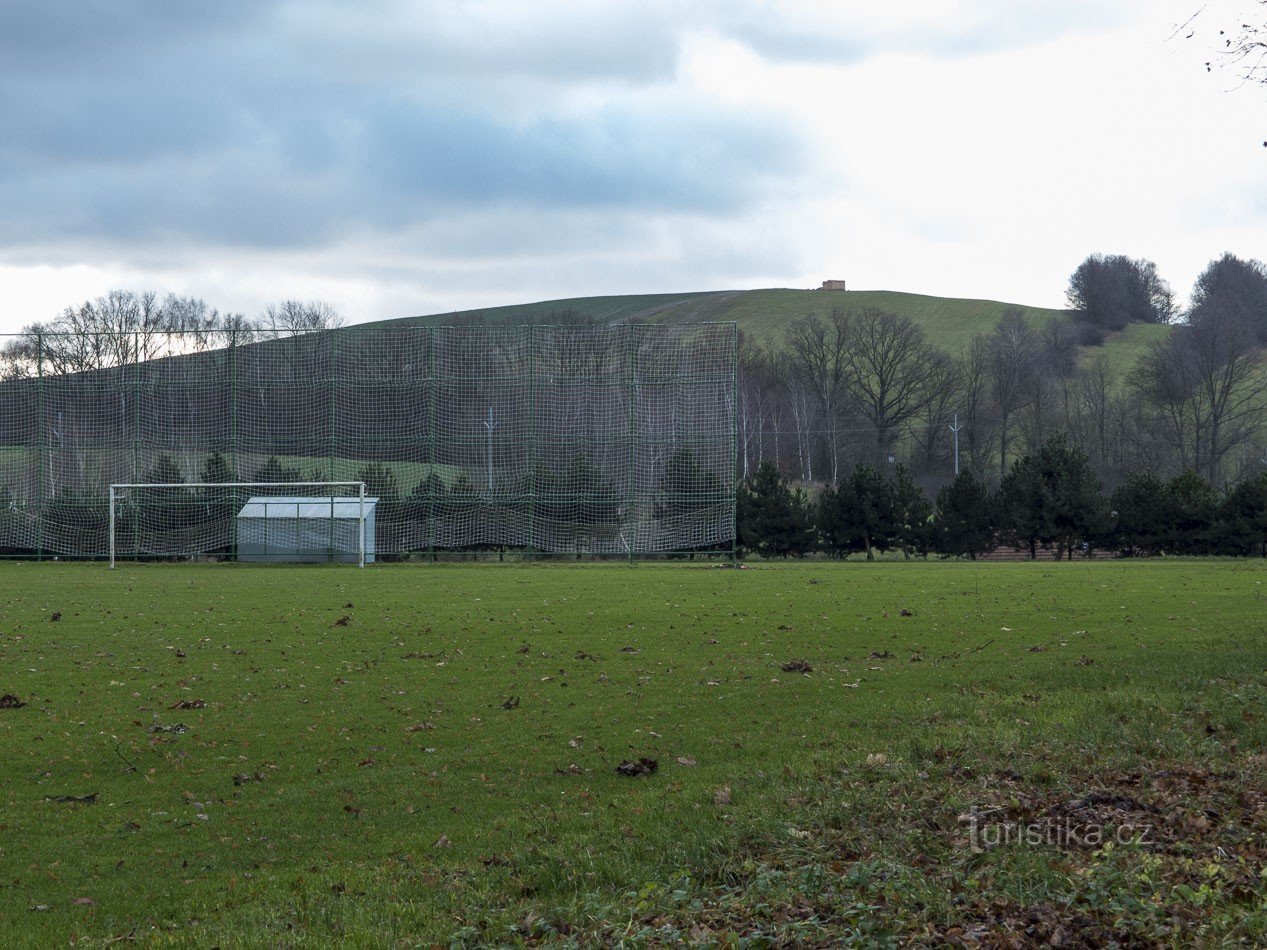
[1242, 45]
[1012, 355]
[1204, 391]
[293, 317]
[820, 360]
[895, 374]
[977, 437]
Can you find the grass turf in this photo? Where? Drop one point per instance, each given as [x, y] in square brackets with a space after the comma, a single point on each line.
[280, 754]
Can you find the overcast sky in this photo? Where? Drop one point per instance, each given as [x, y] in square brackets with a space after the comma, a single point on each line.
[395, 158]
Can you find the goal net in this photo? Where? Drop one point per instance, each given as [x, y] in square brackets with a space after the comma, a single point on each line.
[246, 521]
[608, 441]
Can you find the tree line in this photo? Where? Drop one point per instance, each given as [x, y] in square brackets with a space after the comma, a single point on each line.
[1050, 502]
[868, 386]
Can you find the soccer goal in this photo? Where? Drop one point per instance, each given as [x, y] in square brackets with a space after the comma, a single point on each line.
[248, 521]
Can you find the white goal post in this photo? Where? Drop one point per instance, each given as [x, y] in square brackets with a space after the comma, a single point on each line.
[118, 488]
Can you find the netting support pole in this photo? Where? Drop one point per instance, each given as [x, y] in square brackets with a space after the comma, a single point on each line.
[532, 441]
[112, 527]
[332, 357]
[136, 439]
[40, 452]
[734, 436]
[360, 520]
[432, 478]
[631, 397]
[234, 473]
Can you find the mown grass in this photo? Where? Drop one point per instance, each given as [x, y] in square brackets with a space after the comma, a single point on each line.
[416, 754]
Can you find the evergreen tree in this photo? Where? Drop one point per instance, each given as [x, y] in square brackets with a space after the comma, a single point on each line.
[1191, 510]
[274, 471]
[912, 516]
[216, 469]
[380, 481]
[857, 514]
[1243, 518]
[1142, 507]
[687, 488]
[773, 520]
[965, 517]
[1052, 496]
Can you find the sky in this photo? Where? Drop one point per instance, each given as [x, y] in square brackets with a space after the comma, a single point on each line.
[395, 158]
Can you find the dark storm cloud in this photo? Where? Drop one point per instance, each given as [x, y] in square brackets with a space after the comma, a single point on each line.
[285, 124]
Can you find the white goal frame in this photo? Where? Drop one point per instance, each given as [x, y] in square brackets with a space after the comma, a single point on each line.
[359, 486]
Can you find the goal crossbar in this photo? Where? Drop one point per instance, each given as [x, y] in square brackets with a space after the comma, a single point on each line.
[359, 486]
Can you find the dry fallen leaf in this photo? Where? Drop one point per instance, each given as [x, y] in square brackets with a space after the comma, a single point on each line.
[443, 842]
[722, 796]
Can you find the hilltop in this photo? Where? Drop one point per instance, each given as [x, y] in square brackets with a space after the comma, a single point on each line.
[950, 322]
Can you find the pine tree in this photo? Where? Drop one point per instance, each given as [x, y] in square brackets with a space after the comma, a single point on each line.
[965, 517]
[857, 514]
[1052, 496]
[912, 515]
[215, 469]
[1243, 518]
[773, 520]
[1142, 508]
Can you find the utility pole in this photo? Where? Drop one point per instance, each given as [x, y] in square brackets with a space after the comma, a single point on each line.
[490, 425]
[955, 429]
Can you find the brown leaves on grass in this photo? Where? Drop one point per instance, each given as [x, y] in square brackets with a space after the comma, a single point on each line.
[9, 701]
[511, 703]
[420, 726]
[643, 766]
[722, 796]
[880, 655]
[189, 704]
[797, 666]
[245, 777]
[57, 615]
[343, 621]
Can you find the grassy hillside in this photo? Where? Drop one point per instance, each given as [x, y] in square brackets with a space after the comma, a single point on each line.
[950, 322]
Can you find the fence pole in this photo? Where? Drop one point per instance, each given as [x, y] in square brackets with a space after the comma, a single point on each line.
[136, 439]
[631, 391]
[112, 527]
[360, 521]
[432, 477]
[331, 377]
[734, 436]
[42, 448]
[532, 441]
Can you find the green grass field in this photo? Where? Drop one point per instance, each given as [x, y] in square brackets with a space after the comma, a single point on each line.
[231, 754]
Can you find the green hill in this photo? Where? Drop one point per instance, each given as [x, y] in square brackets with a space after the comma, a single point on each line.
[950, 322]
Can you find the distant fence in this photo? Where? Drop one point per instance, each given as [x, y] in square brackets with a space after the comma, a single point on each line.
[608, 441]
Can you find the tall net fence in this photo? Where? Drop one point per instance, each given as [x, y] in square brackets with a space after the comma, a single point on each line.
[601, 441]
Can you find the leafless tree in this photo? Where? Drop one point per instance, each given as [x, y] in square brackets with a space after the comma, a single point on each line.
[976, 439]
[1012, 355]
[894, 375]
[1204, 390]
[293, 317]
[1242, 46]
[819, 352]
